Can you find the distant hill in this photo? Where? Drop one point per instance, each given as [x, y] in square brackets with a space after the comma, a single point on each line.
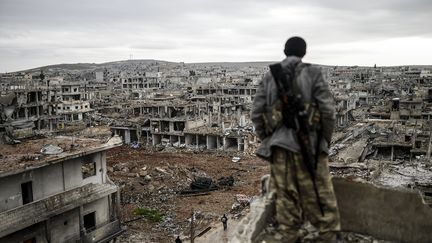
[93, 66]
[79, 67]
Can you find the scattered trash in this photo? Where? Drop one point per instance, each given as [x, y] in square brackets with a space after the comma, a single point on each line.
[135, 145]
[51, 149]
[242, 199]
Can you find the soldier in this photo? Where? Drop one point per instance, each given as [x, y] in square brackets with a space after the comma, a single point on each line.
[294, 115]
[224, 220]
[178, 240]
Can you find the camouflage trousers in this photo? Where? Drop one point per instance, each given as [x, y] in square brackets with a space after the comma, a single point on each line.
[296, 199]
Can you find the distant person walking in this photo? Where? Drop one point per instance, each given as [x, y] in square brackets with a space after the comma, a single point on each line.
[294, 116]
[178, 240]
[224, 220]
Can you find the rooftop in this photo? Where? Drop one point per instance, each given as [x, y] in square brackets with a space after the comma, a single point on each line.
[28, 155]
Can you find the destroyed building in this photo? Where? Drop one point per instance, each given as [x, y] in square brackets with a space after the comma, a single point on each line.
[383, 129]
[25, 109]
[57, 190]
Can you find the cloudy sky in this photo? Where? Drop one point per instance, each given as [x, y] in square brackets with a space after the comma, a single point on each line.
[338, 32]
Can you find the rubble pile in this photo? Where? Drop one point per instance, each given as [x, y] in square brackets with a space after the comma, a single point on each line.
[158, 180]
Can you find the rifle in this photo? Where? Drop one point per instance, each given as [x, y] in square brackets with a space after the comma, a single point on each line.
[296, 116]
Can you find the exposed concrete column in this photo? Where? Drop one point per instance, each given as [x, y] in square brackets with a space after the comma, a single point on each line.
[171, 126]
[219, 112]
[138, 132]
[81, 221]
[127, 136]
[188, 139]
[153, 140]
[392, 153]
[199, 110]
[48, 230]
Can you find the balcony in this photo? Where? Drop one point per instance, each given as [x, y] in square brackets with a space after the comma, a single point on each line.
[41, 210]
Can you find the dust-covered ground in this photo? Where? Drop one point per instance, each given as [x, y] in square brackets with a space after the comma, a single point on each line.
[154, 180]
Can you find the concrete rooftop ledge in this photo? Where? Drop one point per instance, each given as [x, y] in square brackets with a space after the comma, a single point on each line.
[27, 156]
[384, 213]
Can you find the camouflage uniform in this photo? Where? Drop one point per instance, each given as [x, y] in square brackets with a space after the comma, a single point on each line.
[295, 195]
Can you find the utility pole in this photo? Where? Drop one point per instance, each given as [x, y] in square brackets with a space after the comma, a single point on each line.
[192, 227]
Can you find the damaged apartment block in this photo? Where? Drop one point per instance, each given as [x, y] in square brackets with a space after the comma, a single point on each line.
[55, 186]
[58, 192]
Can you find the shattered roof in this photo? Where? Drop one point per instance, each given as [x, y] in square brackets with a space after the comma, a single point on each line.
[27, 155]
[205, 130]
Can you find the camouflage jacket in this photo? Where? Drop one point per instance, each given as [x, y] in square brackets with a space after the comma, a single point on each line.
[314, 89]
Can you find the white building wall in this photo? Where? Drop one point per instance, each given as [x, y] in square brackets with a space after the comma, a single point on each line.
[65, 226]
[101, 209]
[48, 180]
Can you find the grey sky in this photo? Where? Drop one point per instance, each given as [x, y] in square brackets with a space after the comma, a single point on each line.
[339, 32]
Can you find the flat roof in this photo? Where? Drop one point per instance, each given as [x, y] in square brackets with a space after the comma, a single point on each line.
[27, 155]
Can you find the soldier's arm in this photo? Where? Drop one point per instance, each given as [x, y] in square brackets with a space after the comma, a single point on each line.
[326, 106]
[258, 107]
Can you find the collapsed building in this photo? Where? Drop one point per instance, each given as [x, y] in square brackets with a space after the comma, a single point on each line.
[383, 129]
[33, 108]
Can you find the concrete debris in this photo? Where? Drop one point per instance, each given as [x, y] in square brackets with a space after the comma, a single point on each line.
[226, 181]
[7, 100]
[203, 183]
[10, 140]
[242, 199]
[51, 149]
[383, 128]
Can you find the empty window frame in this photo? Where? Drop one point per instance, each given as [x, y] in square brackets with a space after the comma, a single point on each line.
[88, 169]
[27, 192]
[90, 221]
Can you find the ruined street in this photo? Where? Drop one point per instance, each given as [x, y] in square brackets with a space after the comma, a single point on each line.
[154, 181]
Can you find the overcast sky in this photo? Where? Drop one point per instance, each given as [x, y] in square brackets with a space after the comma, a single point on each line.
[338, 32]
